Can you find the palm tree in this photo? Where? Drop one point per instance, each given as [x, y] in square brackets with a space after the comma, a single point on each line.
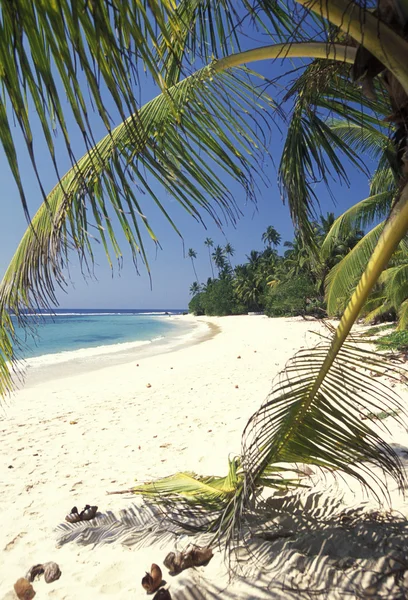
[209, 243]
[195, 288]
[192, 254]
[254, 257]
[271, 237]
[229, 251]
[175, 137]
[249, 287]
[218, 257]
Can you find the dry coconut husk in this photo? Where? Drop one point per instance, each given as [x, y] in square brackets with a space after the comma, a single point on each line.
[153, 580]
[24, 589]
[50, 570]
[195, 557]
[86, 514]
[34, 572]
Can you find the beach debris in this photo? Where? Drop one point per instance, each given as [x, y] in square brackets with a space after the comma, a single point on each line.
[86, 514]
[162, 594]
[176, 562]
[137, 364]
[50, 570]
[148, 385]
[73, 422]
[238, 357]
[34, 572]
[153, 580]
[236, 387]
[24, 589]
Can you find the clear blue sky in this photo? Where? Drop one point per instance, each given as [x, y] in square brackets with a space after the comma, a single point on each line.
[171, 270]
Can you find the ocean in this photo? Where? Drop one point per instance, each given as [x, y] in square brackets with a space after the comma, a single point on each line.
[83, 333]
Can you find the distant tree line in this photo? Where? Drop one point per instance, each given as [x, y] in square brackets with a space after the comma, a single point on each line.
[279, 285]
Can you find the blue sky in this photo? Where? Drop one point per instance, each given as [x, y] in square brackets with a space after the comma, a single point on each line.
[171, 270]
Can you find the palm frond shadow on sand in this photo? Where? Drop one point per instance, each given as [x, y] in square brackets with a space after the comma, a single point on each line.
[304, 544]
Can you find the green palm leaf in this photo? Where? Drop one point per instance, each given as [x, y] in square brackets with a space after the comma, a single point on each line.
[320, 424]
[43, 47]
[403, 316]
[360, 215]
[362, 137]
[313, 413]
[343, 278]
[176, 146]
[314, 143]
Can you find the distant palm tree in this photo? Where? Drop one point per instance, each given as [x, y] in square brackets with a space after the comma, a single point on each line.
[209, 243]
[253, 257]
[193, 254]
[219, 258]
[195, 288]
[271, 237]
[229, 251]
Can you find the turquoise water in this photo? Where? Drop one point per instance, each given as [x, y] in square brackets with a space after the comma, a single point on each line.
[72, 330]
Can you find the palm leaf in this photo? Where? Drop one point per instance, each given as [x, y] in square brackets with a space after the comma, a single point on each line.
[360, 215]
[313, 415]
[343, 278]
[362, 138]
[395, 280]
[45, 45]
[403, 316]
[174, 145]
[313, 144]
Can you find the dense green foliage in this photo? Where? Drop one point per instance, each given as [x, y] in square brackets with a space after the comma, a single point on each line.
[280, 285]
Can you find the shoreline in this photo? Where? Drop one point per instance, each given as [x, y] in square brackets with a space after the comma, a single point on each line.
[36, 370]
[68, 442]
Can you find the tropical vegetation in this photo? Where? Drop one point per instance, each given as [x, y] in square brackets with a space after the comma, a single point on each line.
[208, 126]
[280, 285]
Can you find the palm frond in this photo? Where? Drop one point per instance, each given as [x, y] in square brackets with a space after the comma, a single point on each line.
[395, 280]
[190, 152]
[359, 216]
[301, 422]
[47, 47]
[313, 147]
[382, 308]
[403, 316]
[313, 415]
[343, 278]
[363, 138]
[384, 178]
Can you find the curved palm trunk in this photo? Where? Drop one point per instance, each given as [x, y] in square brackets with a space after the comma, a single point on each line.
[366, 29]
[395, 229]
[338, 52]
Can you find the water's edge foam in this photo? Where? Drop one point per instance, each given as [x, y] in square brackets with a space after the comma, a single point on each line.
[36, 370]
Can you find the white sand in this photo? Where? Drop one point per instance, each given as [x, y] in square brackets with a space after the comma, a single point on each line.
[68, 441]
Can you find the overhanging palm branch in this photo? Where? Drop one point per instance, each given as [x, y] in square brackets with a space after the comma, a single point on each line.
[320, 394]
[313, 145]
[172, 144]
[358, 216]
[46, 45]
[313, 413]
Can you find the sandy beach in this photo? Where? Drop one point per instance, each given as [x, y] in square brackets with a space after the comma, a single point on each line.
[69, 440]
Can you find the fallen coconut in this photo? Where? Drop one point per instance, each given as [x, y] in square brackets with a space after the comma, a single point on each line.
[24, 589]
